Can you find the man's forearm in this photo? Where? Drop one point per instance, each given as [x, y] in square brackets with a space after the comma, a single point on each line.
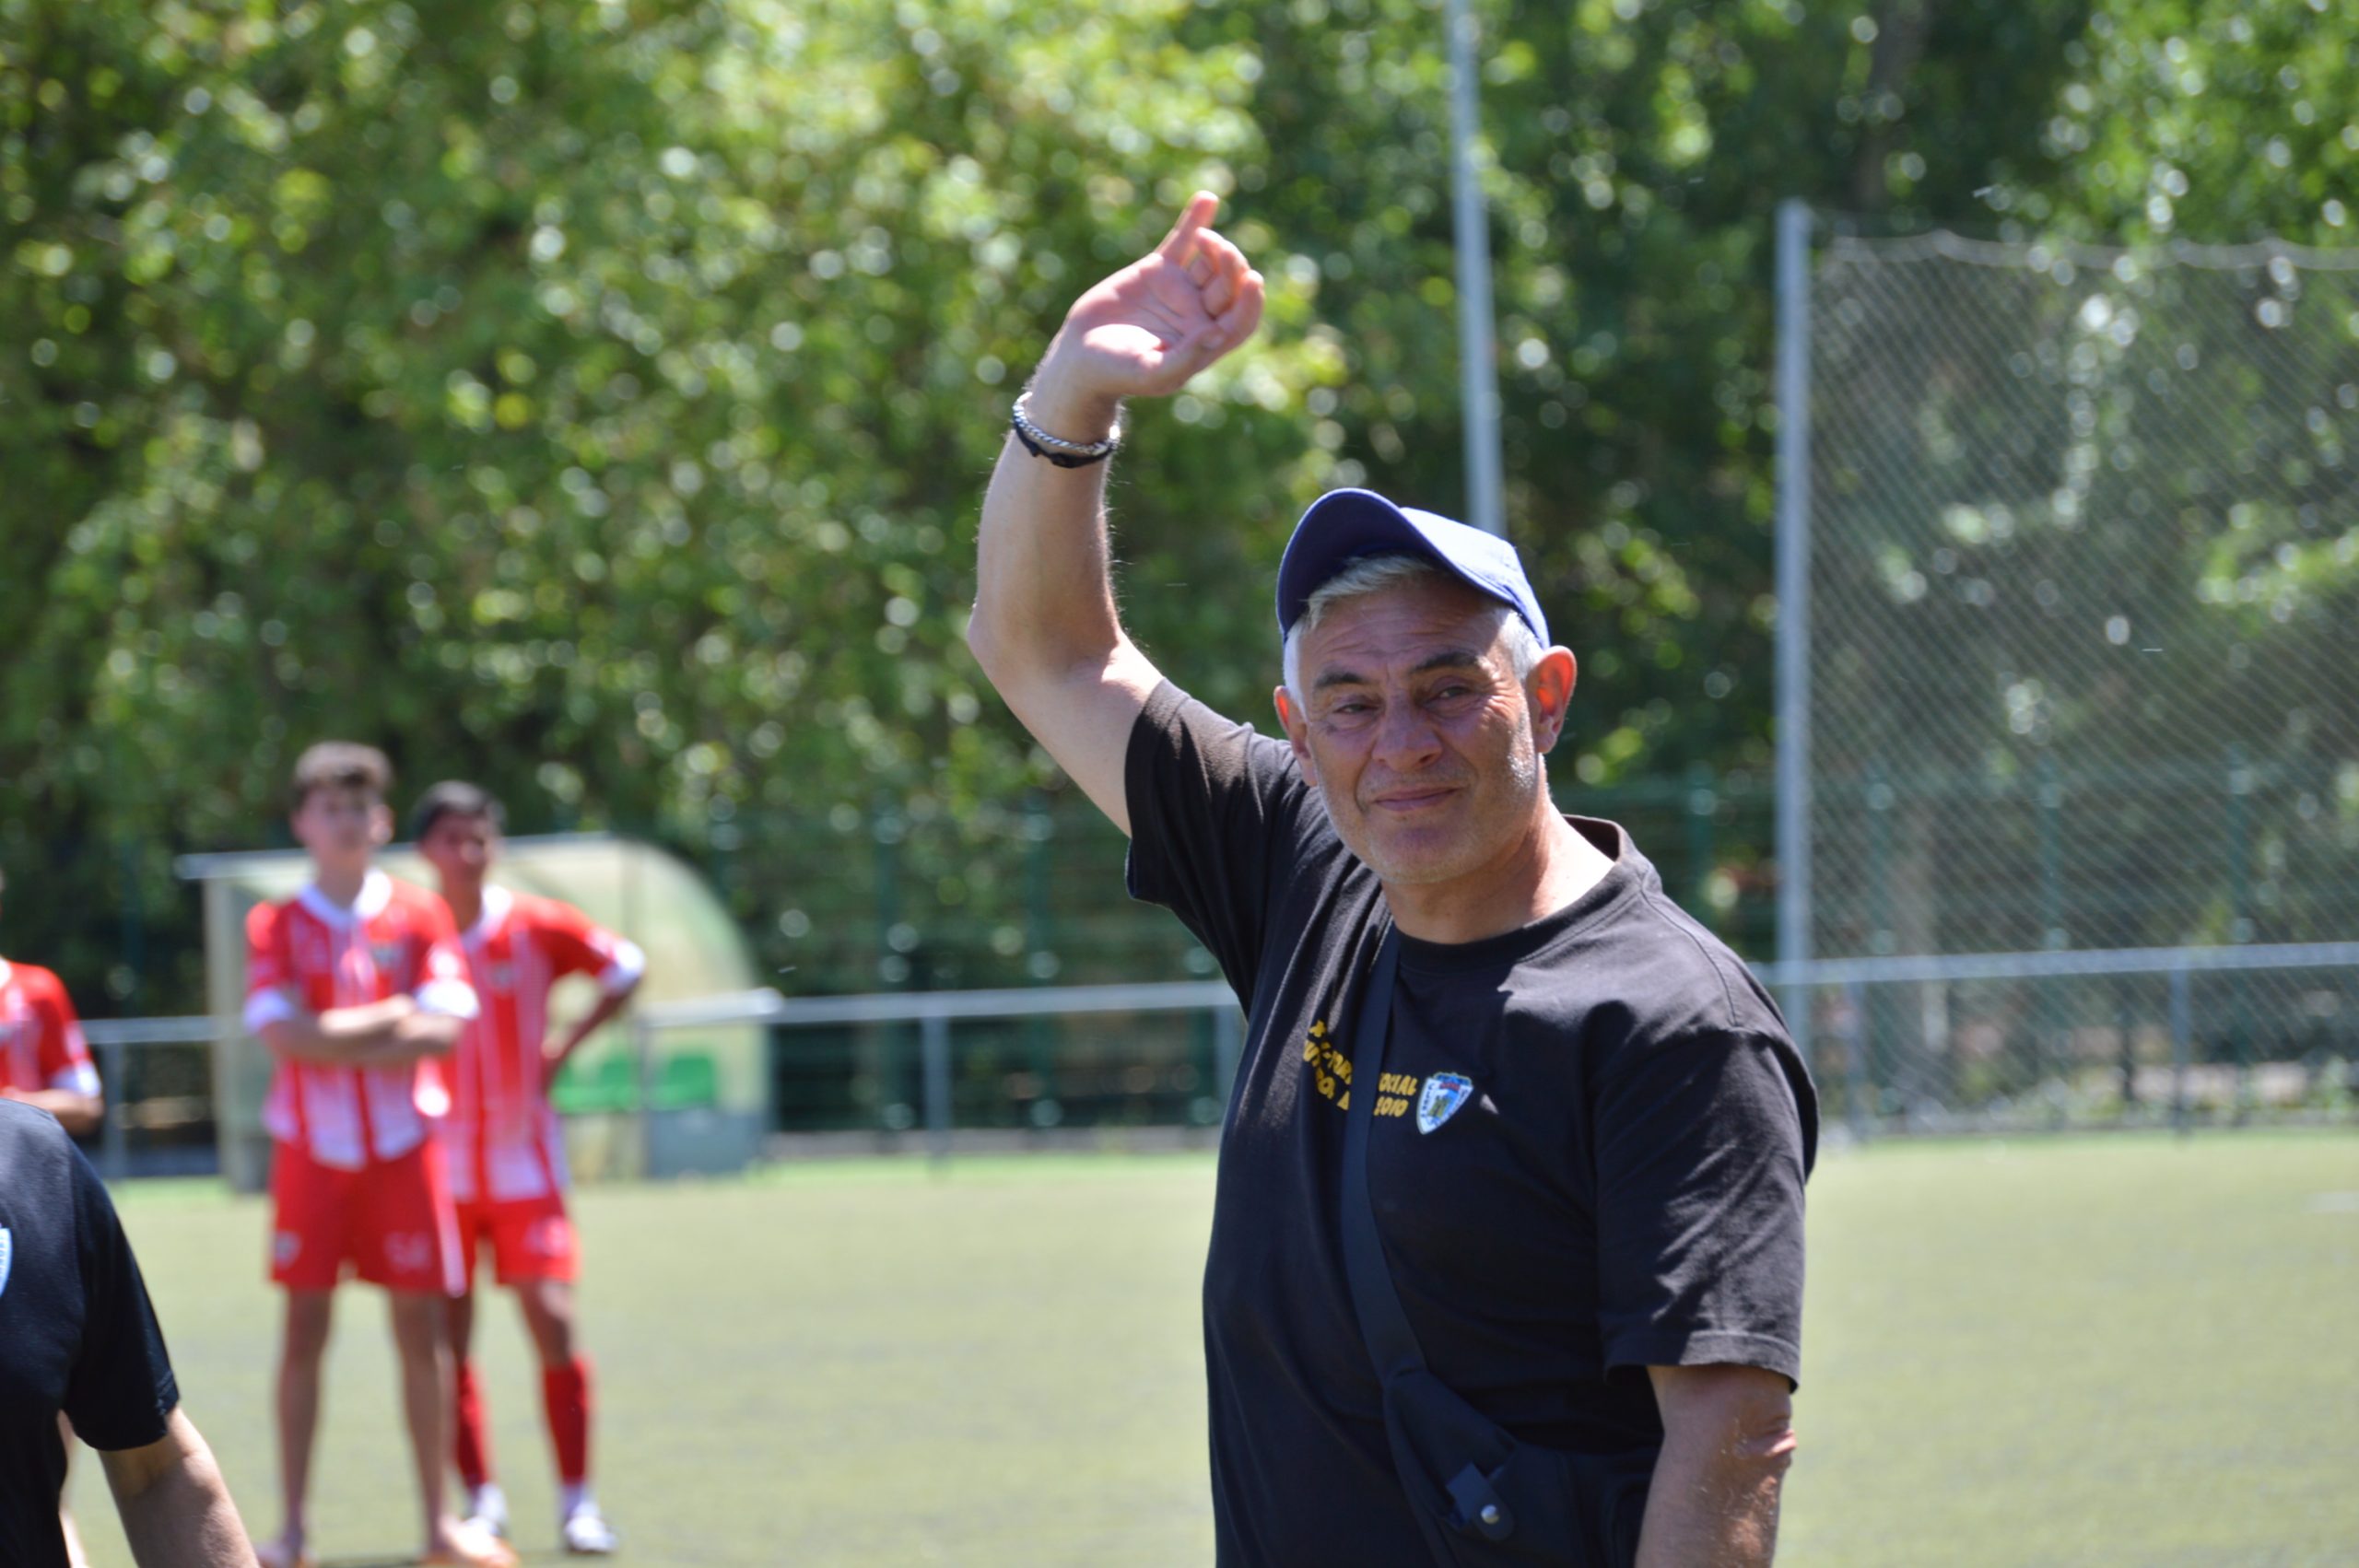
[75, 1112]
[1728, 1441]
[1703, 1512]
[1044, 598]
[176, 1509]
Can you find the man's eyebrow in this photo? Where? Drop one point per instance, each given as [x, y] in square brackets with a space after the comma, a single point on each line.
[1450, 658]
[1447, 659]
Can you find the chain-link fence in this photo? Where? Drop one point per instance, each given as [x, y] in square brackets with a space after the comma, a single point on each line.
[2083, 643]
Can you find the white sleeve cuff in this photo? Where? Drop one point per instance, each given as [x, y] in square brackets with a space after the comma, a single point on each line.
[82, 1078]
[267, 1007]
[624, 970]
[452, 999]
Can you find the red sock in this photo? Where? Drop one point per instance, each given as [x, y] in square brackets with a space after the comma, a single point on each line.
[565, 1394]
[472, 1445]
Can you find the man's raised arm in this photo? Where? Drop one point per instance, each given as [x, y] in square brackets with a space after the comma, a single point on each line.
[1045, 628]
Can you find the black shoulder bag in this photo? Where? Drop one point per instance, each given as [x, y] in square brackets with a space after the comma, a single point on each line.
[1482, 1498]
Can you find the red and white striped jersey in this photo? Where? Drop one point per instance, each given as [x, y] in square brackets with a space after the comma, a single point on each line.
[41, 1040]
[308, 956]
[502, 1136]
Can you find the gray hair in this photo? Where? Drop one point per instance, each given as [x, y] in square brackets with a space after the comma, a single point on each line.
[1370, 574]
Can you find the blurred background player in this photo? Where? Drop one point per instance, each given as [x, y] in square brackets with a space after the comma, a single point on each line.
[507, 1152]
[45, 1063]
[356, 985]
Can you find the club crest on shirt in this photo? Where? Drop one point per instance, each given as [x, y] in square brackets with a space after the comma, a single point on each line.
[388, 955]
[1443, 1094]
[7, 1250]
[499, 977]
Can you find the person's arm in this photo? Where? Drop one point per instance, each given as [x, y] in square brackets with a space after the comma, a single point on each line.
[348, 1036]
[70, 1090]
[1728, 1440]
[76, 1112]
[176, 1509]
[558, 1048]
[576, 945]
[1045, 628]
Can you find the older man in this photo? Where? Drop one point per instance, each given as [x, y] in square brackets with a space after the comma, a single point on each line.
[1507, 1121]
[78, 1336]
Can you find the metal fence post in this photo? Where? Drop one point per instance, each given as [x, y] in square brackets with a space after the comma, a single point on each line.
[1469, 229]
[2182, 1044]
[934, 1043]
[1793, 611]
[2240, 923]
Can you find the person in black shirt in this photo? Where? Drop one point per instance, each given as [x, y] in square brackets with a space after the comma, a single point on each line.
[78, 1335]
[1591, 1131]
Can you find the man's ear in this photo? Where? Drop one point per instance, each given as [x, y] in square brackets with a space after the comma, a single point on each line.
[1296, 725]
[381, 824]
[1549, 689]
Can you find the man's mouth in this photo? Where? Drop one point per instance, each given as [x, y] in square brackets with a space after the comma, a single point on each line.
[1405, 801]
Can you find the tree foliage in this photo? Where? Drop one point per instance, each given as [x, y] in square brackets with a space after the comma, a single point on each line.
[593, 398]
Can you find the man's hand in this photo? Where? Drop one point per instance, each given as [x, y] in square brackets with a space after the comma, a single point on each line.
[1144, 331]
[1045, 628]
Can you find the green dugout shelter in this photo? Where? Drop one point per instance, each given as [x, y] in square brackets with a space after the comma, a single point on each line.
[706, 1105]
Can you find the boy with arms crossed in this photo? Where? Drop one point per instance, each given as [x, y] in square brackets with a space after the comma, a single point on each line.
[358, 986]
[507, 1152]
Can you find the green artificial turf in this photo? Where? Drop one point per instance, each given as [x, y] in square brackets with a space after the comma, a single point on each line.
[2105, 1351]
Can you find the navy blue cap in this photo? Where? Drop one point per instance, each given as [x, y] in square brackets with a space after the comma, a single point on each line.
[1343, 525]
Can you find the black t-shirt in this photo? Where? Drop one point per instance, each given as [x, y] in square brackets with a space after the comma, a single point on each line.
[77, 1332]
[1587, 1159]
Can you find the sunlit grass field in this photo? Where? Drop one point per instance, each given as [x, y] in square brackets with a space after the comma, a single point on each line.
[2131, 1351]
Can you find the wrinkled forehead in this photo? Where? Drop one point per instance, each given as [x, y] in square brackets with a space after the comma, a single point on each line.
[1408, 625]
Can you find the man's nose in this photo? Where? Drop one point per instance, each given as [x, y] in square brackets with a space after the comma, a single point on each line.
[1405, 738]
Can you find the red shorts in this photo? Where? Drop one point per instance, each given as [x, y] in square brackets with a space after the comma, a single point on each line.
[531, 1239]
[389, 1223]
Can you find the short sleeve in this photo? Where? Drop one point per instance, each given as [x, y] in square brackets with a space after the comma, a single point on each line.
[270, 980]
[65, 1054]
[121, 1389]
[1699, 1197]
[578, 945]
[442, 984]
[1217, 814]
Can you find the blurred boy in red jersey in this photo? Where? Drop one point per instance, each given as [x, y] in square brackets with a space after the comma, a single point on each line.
[507, 1151]
[357, 985]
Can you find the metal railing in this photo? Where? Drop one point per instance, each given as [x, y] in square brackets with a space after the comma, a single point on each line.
[935, 1014]
[2179, 967]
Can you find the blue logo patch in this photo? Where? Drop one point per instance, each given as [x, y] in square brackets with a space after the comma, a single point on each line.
[7, 1250]
[1441, 1098]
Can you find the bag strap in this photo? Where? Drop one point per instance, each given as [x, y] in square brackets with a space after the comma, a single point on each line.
[1391, 1344]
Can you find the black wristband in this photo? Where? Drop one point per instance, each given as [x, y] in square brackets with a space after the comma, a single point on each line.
[1062, 460]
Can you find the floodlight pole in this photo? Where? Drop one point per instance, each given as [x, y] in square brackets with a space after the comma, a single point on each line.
[1793, 614]
[1478, 373]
